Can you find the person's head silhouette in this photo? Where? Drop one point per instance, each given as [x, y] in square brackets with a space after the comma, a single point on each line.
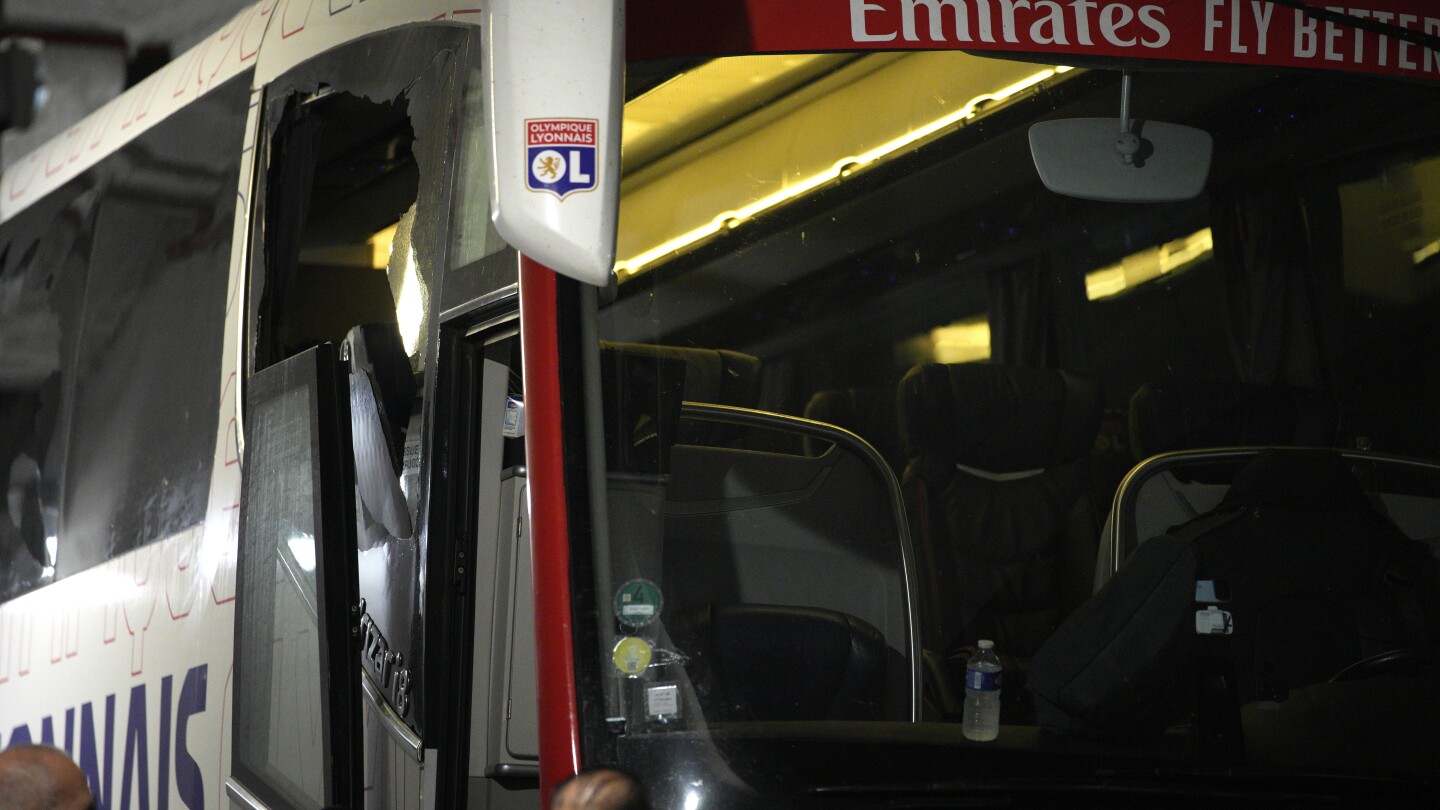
[600, 789]
[41, 777]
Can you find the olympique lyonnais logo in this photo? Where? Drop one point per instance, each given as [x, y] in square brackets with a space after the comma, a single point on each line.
[561, 155]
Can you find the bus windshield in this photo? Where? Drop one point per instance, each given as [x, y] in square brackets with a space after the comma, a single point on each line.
[867, 392]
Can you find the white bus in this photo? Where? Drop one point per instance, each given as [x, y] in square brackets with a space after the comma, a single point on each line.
[410, 405]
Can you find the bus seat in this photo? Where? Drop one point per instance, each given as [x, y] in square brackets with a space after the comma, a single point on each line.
[644, 388]
[1170, 416]
[770, 662]
[1314, 579]
[716, 376]
[721, 519]
[645, 385]
[999, 491]
[868, 413]
[745, 527]
[1167, 417]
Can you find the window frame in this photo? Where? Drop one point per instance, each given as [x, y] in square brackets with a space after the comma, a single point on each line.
[319, 372]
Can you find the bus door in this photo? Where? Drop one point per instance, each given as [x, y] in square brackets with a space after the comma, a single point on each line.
[487, 429]
[297, 710]
[372, 235]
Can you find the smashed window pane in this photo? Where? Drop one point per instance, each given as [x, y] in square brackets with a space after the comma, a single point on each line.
[357, 200]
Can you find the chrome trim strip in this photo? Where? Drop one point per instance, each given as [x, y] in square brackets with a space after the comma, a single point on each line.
[238, 793]
[841, 436]
[513, 771]
[399, 732]
[1129, 487]
[487, 300]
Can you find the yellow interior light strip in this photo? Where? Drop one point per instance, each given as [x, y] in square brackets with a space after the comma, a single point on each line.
[1418, 257]
[1149, 264]
[966, 341]
[840, 168]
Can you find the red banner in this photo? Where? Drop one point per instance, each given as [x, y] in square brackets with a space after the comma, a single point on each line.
[1360, 37]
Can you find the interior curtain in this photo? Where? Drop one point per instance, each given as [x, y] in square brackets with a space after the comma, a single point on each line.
[1274, 278]
[1018, 303]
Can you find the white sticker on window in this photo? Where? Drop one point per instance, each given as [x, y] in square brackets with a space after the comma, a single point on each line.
[514, 424]
[1212, 621]
[662, 701]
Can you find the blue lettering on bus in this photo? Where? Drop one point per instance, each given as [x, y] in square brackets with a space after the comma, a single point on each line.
[187, 770]
[90, 754]
[96, 754]
[162, 800]
[136, 748]
[20, 736]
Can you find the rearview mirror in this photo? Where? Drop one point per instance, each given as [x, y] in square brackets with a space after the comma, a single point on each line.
[1121, 160]
[1086, 158]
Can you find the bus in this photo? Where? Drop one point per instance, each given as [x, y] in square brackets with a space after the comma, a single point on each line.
[406, 404]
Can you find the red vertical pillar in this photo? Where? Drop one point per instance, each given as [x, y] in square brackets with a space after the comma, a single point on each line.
[549, 527]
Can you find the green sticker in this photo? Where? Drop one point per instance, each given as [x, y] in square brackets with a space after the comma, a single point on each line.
[638, 602]
[632, 655]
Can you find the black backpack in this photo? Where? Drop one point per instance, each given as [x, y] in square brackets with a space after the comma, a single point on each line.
[1298, 575]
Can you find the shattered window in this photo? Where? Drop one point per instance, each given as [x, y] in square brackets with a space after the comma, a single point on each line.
[479, 260]
[351, 249]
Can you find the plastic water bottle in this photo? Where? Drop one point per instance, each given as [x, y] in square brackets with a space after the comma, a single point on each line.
[982, 694]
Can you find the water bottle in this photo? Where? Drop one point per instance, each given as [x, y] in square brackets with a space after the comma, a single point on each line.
[982, 694]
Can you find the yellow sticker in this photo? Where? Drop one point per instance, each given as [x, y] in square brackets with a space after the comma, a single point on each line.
[632, 655]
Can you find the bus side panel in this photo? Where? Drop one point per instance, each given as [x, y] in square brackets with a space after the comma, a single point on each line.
[127, 665]
[305, 30]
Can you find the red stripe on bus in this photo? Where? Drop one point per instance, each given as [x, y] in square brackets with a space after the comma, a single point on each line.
[549, 528]
[1168, 30]
[653, 30]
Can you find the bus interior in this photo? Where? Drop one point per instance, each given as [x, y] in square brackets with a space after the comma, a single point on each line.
[863, 242]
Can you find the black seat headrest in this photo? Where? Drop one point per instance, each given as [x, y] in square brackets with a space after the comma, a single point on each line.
[999, 419]
[867, 412]
[716, 376]
[1170, 416]
[644, 386]
[1315, 480]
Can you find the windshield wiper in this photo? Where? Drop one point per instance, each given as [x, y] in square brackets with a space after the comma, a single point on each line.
[1420, 38]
